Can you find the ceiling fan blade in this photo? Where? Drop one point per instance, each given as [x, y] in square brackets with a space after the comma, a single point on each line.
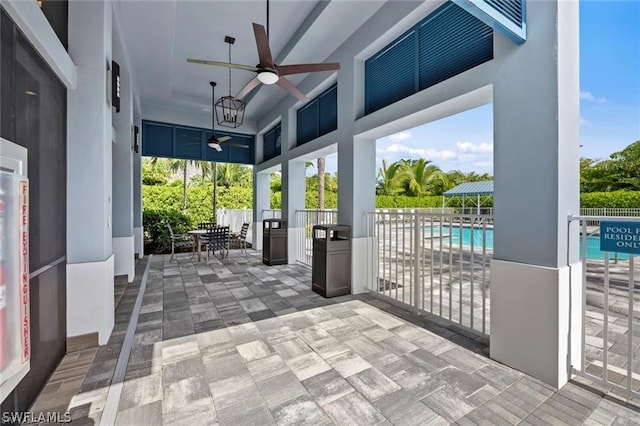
[252, 84]
[224, 138]
[238, 145]
[262, 42]
[222, 64]
[293, 90]
[302, 68]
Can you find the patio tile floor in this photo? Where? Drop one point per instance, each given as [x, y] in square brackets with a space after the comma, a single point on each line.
[236, 342]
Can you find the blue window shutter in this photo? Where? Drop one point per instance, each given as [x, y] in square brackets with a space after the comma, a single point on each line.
[272, 143]
[157, 140]
[328, 102]
[238, 154]
[390, 74]
[188, 143]
[278, 140]
[511, 9]
[307, 122]
[452, 41]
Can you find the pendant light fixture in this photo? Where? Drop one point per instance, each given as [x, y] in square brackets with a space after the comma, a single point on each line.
[213, 141]
[229, 110]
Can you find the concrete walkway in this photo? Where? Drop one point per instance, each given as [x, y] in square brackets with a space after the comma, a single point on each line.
[237, 342]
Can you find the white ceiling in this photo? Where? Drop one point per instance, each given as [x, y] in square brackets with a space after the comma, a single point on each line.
[160, 35]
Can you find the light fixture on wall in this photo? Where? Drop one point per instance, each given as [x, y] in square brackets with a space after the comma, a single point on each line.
[136, 139]
[115, 85]
[213, 141]
[228, 109]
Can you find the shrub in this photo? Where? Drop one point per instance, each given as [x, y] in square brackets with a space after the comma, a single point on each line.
[156, 233]
[611, 200]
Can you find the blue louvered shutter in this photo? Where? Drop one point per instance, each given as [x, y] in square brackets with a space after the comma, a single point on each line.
[157, 140]
[188, 143]
[511, 9]
[390, 75]
[328, 119]
[307, 123]
[278, 140]
[272, 143]
[452, 41]
[269, 144]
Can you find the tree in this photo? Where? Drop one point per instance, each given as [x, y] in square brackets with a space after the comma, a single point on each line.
[417, 175]
[321, 183]
[155, 171]
[176, 165]
[388, 178]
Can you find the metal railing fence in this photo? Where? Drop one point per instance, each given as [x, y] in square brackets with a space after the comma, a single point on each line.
[437, 263]
[306, 220]
[610, 334]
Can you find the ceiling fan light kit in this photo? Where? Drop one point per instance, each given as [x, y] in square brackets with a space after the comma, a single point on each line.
[268, 77]
[267, 71]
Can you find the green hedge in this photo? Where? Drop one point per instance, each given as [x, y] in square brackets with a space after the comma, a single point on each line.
[403, 201]
[611, 200]
[156, 234]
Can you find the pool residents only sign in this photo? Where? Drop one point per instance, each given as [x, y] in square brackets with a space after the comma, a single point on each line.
[623, 237]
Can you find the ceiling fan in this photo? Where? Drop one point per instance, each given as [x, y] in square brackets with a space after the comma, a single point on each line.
[267, 71]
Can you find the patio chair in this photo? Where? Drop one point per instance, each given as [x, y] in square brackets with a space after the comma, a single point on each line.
[218, 239]
[179, 241]
[241, 239]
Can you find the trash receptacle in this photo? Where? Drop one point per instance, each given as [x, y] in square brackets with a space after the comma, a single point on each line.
[274, 242]
[331, 266]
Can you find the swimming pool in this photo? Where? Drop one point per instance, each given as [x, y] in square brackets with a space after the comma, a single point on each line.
[593, 242]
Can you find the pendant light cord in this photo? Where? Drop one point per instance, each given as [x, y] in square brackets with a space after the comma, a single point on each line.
[229, 69]
[267, 18]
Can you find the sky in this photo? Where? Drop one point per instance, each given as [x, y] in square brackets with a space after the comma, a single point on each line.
[609, 100]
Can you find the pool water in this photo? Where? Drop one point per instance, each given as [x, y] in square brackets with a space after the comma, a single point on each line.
[593, 242]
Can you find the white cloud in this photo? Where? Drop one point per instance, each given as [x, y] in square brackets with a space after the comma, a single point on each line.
[399, 137]
[429, 154]
[588, 96]
[584, 122]
[483, 147]
[483, 164]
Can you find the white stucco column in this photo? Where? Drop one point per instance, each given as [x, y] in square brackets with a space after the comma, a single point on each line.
[293, 191]
[90, 260]
[293, 183]
[261, 201]
[122, 176]
[356, 197]
[534, 276]
[356, 172]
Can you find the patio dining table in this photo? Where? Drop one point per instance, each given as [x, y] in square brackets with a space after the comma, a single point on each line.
[196, 234]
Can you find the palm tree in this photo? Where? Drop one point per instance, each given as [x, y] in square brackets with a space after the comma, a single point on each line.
[321, 183]
[176, 165]
[416, 175]
[388, 178]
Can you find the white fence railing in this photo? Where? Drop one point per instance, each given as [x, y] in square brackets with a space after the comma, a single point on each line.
[610, 312]
[271, 214]
[438, 263]
[306, 220]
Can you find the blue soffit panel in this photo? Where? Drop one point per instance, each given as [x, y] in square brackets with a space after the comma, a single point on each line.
[506, 16]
